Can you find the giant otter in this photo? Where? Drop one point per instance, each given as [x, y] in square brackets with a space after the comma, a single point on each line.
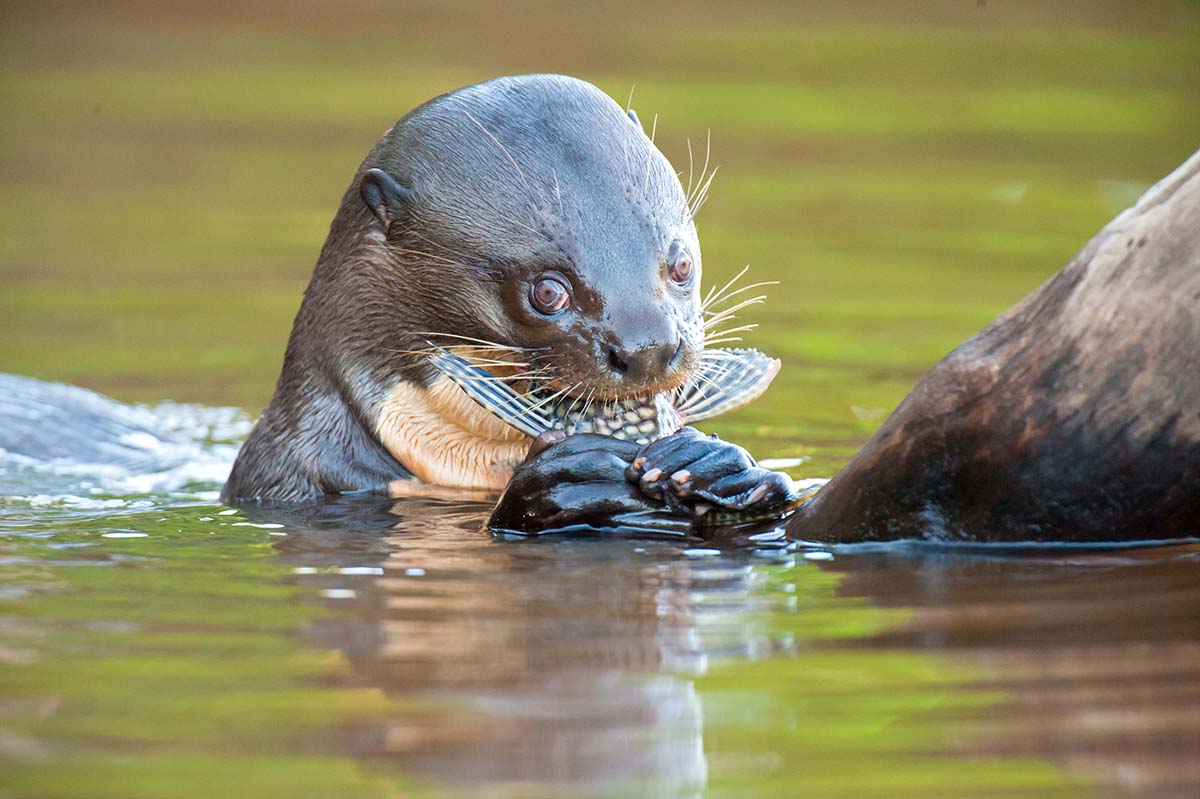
[1075, 416]
[529, 224]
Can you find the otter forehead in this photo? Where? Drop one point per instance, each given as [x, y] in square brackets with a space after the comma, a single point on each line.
[540, 167]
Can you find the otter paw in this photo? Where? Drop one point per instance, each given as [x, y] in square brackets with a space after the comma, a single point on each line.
[573, 483]
[693, 472]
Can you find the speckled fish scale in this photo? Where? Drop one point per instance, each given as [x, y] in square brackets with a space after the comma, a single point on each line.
[640, 419]
[725, 380]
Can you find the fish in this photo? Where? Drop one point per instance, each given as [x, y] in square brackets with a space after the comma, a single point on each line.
[726, 380]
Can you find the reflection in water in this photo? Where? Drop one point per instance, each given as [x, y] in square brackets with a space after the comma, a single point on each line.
[566, 661]
[572, 664]
[1097, 654]
[438, 661]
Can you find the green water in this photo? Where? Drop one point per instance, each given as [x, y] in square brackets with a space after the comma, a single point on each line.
[210, 656]
[905, 173]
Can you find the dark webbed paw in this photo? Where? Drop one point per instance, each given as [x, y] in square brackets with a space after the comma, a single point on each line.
[573, 482]
[589, 481]
[692, 472]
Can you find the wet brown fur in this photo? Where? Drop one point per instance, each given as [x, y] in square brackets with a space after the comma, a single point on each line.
[1075, 416]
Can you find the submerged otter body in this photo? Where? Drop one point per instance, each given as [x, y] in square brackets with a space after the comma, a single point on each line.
[527, 221]
[1075, 416]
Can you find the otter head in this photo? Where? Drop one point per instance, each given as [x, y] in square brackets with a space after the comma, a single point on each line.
[527, 223]
[522, 234]
[532, 212]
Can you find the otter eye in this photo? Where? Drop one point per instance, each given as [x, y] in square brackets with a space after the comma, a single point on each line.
[549, 296]
[679, 263]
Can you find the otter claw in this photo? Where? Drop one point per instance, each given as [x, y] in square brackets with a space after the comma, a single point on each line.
[756, 496]
[543, 442]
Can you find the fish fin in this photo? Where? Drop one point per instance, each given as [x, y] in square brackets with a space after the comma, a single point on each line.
[726, 383]
[494, 395]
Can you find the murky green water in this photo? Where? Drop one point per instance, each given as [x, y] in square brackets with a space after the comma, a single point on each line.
[166, 179]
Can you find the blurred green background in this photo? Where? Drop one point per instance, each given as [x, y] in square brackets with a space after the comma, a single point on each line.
[905, 170]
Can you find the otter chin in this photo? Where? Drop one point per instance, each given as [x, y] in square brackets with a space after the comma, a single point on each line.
[526, 225]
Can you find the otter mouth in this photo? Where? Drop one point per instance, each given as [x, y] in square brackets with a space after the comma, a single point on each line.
[726, 379]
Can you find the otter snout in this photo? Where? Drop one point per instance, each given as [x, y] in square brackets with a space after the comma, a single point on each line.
[645, 364]
[642, 347]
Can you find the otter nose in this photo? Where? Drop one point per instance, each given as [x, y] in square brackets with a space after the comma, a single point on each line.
[644, 363]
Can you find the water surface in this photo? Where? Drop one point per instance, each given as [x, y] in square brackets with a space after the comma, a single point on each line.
[159, 644]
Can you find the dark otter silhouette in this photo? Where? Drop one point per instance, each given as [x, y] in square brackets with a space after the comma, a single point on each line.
[1075, 416]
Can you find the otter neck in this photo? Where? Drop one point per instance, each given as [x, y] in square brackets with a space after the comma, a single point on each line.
[443, 437]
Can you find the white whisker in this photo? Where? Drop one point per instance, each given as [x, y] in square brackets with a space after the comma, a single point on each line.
[730, 313]
[741, 290]
[714, 296]
[484, 342]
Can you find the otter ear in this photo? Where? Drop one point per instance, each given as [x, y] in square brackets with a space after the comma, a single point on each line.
[633, 115]
[383, 195]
